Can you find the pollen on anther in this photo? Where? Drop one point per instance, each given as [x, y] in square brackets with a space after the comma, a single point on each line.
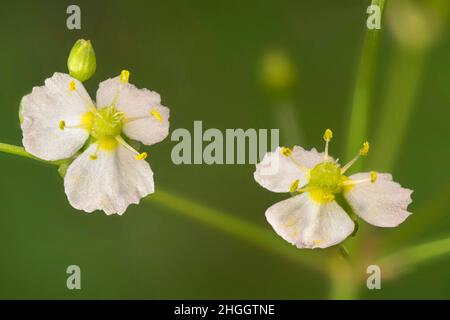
[93, 157]
[124, 76]
[62, 125]
[141, 156]
[294, 186]
[72, 86]
[365, 149]
[373, 176]
[328, 135]
[286, 151]
[157, 115]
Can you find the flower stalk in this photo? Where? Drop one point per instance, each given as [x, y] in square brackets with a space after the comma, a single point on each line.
[362, 96]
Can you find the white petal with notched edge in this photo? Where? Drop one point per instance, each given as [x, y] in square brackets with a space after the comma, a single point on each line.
[44, 108]
[308, 224]
[276, 172]
[110, 183]
[135, 103]
[382, 203]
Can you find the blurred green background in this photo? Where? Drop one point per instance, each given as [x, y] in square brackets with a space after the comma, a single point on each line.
[205, 59]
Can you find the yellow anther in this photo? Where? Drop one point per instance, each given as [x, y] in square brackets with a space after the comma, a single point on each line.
[286, 151]
[62, 125]
[93, 157]
[317, 242]
[157, 115]
[141, 156]
[294, 186]
[328, 197]
[365, 149]
[373, 176]
[72, 86]
[124, 76]
[328, 135]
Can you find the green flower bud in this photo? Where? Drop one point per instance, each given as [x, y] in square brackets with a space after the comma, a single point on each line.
[82, 62]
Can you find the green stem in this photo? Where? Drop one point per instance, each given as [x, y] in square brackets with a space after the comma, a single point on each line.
[359, 116]
[406, 259]
[403, 80]
[344, 281]
[20, 151]
[228, 223]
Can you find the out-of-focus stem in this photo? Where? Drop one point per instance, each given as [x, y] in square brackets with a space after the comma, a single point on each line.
[286, 118]
[357, 132]
[238, 228]
[403, 79]
[403, 260]
[344, 281]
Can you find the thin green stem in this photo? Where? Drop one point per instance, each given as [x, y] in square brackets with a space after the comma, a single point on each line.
[402, 83]
[20, 151]
[344, 282]
[228, 223]
[406, 259]
[363, 86]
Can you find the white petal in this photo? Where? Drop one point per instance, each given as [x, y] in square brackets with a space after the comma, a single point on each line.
[277, 172]
[44, 108]
[308, 159]
[307, 224]
[110, 183]
[382, 203]
[136, 103]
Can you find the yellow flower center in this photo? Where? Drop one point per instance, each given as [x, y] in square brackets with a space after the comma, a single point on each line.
[104, 125]
[107, 123]
[325, 181]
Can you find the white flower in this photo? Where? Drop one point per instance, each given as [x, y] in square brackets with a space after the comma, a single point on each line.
[60, 121]
[313, 218]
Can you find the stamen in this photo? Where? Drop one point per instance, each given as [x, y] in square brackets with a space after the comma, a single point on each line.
[327, 136]
[141, 156]
[285, 151]
[124, 76]
[94, 156]
[157, 115]
[373, 176]
[62, 125]
[365, 149]
[72, 85]
[153, 113]
[138, 156]
[362, 152]
[131, 119]
[294, 186]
